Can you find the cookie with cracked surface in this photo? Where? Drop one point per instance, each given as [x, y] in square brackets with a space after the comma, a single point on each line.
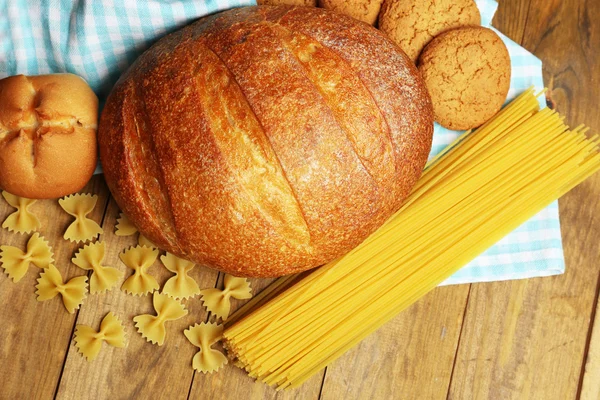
[362, 10]
[306, 3]
[467, 74]
[413, 23]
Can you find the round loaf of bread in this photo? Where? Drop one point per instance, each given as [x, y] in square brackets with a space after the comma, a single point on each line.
[363, 10]
[264, 141]
[413, 23]
[47, 135]
[467, 72]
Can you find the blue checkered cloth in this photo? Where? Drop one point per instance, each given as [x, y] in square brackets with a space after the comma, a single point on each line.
[535, 248]
[98, 40]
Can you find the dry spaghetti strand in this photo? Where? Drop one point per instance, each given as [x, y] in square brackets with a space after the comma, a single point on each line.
[483, 186]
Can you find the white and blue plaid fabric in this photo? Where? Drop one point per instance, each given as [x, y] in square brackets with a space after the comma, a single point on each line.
[98, 40]
[535, 248]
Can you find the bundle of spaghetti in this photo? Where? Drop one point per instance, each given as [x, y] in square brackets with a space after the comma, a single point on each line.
[482, 187]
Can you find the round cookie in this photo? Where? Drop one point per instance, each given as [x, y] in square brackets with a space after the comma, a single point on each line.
[307, 3]
[467, 74]
[362, 10]
[413, 23]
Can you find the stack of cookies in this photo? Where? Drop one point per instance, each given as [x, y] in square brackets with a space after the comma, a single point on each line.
[466, 67]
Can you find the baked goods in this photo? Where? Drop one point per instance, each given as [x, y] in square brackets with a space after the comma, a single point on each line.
[362, 10]
[467, 73]
[307, 3]
[488, 184]
[413, 23]
[263, 141]
[47, 135]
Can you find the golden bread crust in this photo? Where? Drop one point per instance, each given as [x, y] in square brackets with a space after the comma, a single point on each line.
[47, 135]
[264, 141]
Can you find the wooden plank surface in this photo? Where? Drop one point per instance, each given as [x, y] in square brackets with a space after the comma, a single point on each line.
[411, 357]
[522, 339]
[142, 370]
[527, 339]
[234, 383]
[590, 383]
[34, 336]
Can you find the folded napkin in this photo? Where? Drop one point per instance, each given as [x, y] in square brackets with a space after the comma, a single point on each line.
[99, 40]
[535, 248]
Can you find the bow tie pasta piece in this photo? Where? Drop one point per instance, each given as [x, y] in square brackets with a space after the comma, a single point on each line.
[139, 259]
[151, 327]
[124, 226]
[88, 341]
[22, 220]
[180, 286]
[204, 335]
[218, 301]
[15, 262]
[90, 257]
[79, 206]
[50, 283]
[144, 241]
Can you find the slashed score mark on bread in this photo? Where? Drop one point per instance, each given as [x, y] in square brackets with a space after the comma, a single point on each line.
[262, 141]
[47, 135]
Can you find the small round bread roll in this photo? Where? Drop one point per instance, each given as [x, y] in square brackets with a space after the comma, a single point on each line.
[47, 135]
[467, 74]
[362, 10]
[413, 23]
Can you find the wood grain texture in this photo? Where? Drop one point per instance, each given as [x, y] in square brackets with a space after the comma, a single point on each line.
[233, 383]
[34, 335]
[521, 339]
[141, 370]
[410, 357]
[527, 339]
[511, 18]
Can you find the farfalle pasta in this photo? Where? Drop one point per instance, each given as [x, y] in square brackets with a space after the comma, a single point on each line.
[16, 262]
[144, 241]
[90, 257]
[218, 301]
[180, 286]
[22, 220]
[139, 258]
[89, 342]
[152, 327]
[50, 283]
[79, 206]
[124, 226]
[204, 335]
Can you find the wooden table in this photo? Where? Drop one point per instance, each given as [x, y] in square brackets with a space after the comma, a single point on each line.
[536, 338]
